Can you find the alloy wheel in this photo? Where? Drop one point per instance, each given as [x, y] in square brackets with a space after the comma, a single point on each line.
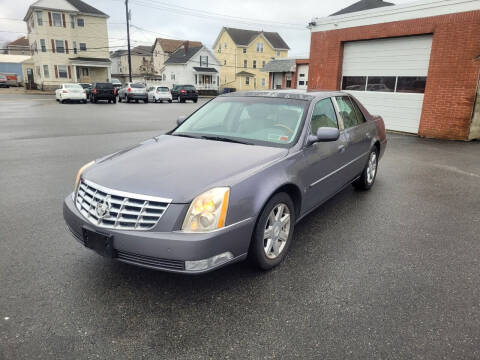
[372, 167]
[277, 230]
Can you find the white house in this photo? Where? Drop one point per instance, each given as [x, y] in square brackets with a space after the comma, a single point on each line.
[192, 65]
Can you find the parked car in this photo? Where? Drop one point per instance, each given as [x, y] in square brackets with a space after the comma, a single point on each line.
[3, 81]
[159, 93]
[183, 93]
[116, 84]
[87, 87]
[133, 91]
[12, 79]
[103, 91]
[71, 92]
[230, 181]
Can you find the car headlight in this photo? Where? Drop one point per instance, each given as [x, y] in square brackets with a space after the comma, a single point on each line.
[80, 172]
[207, 211]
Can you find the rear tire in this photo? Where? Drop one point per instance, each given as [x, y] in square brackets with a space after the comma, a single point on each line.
[114, 100]
[273, 232]
[119, 99]
[369, 174]
[195, 101]
[169, 101]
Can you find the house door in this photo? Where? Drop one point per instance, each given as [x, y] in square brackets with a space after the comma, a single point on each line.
[30, 79]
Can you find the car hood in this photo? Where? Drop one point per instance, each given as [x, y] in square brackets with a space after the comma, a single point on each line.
[180, 168]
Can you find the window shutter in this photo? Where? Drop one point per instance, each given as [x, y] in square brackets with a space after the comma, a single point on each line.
[50, 18]
[69, 72]
[56, 71]
[66, 46]
[63, 19]
[53, 46]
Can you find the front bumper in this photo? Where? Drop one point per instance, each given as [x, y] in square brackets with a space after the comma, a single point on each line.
[167, 251]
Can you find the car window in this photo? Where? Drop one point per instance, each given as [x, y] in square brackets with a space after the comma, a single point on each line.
[358, 112]
[347, 111]
[150, 88]
[189, 87]
[163, 89]
[104, 86]
[267, 121]
[137, 86]
[72, 86]
[323, 115]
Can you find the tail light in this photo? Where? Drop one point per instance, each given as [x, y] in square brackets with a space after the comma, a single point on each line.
[183, 91]
[129, 90]
[65, 91]
[95, 91]
[114, 91]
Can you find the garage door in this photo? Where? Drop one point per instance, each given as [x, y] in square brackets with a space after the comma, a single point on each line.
[388, 76]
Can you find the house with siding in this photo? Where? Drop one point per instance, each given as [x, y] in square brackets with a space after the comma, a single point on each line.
[142, 64]
[69, 43]
[164, 48]
[243, 53]
[19, 47]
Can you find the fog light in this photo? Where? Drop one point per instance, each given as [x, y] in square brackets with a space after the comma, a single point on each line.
[205, 264]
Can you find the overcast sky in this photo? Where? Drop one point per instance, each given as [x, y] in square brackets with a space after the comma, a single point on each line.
[193, 20]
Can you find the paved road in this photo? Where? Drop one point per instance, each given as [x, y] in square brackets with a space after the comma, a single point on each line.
[391, 273]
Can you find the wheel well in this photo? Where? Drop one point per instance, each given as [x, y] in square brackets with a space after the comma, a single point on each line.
[377, 146]
[294, 192]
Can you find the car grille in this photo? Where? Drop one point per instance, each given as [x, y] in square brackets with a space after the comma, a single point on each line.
[150, 261]
[118, 210]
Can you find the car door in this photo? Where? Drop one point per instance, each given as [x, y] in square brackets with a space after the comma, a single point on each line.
[357, 134]
[323, 161]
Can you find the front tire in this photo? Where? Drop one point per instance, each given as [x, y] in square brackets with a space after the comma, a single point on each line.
[369, 174]
[273, 232]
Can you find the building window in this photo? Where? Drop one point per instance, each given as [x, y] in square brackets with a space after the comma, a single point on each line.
[247, 80]
[74, 47]
[83, 47]
[62, 71]
[57, 19]
[59, 46]
[225, 45]
[263, 82]
[245, 63]
[203, 61]
[38, 70]
[260, 47]
[244, 50]
[39, 18]
[43, 45]
[254, 64]
[72, 21]
[301, 75]
[220, 48]
[46, 74]
[80, 22]
[301, 83]
[381, 83]
[164, 77]
[411, 84]
[172, 76]
[84, 71]
[357, 83]
[263, 63]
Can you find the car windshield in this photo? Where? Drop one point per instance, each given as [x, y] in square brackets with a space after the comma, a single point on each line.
[72, 86]
[104, 86]
[85, 86]
[116, 82]
[163, 89]
[254, 120]
[137, 86]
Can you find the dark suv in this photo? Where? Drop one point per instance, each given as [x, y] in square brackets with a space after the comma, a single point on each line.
[103, 91]
[183, 93]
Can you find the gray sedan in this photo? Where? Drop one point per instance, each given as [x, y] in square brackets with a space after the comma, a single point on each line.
[229, 182]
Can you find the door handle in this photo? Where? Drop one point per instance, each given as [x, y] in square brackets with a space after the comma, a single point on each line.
[341, 148]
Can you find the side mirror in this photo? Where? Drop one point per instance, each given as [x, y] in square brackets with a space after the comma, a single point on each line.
[181, 119]
[324, 134]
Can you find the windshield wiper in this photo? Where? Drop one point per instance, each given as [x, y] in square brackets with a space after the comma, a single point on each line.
[186, 135]
[226, 139]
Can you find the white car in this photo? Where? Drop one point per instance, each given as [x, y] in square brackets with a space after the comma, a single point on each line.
[71, 92]
[159, 93]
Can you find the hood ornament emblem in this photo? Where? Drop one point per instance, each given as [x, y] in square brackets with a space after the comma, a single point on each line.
[103, 208]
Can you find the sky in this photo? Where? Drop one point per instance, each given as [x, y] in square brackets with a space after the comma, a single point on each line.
[193, 20]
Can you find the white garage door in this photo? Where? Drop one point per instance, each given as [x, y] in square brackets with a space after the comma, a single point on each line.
[388, 76]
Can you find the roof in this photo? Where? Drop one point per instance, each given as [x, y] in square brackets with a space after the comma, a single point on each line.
[245, 73]
[85, 8]
[243, 37]
[286, 94]
[180, 56]
[170, 45]
[280, 65]
[81, 58]
[14, 59]
[204, 69]
[141, 50]
[363, 5]
[65, 5]
[22, 41]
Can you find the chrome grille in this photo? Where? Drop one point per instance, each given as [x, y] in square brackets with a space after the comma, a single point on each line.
[114, 209]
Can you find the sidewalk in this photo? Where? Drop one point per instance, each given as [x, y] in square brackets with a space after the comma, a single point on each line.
[22, 91]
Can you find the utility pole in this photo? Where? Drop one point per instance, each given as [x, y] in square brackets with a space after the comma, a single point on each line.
[128, 40]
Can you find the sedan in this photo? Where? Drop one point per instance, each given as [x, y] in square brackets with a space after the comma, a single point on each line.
[231, 181]
[159, 94]
[71, 92]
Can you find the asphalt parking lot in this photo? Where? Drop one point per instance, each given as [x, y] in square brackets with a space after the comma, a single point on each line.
[392, 273]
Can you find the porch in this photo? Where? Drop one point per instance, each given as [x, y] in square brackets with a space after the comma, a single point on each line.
[90, 70]
[206, 79]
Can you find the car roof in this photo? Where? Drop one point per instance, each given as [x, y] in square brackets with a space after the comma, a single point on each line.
[287, 94]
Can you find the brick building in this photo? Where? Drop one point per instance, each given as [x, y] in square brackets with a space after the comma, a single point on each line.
[416, 64]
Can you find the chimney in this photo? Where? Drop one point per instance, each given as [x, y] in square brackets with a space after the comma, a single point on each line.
[186, 43]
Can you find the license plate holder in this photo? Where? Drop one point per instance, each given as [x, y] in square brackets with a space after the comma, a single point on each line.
[98, 242]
